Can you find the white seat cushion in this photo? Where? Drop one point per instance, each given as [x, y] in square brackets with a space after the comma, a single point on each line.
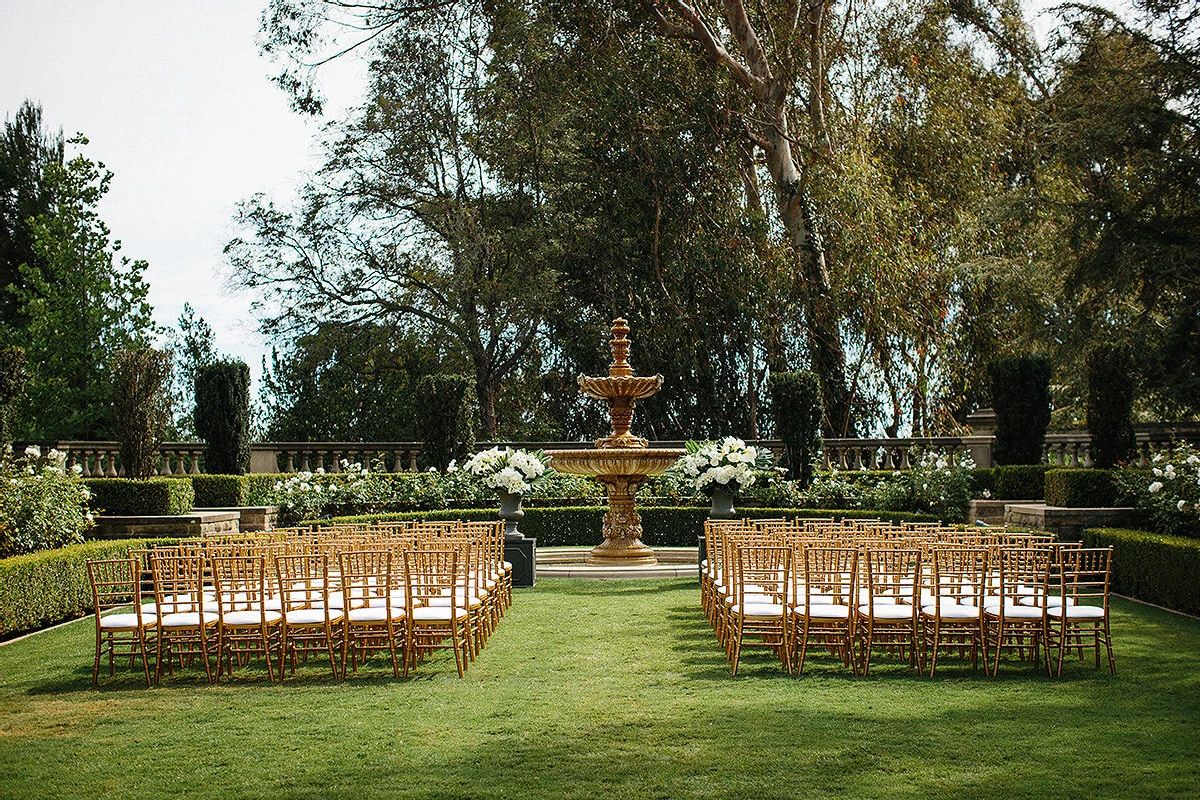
[764, 610]
[436, 614]
[125, 622]
[823, 611]
[375, 614]
[313, 616]
[250, 619]
[1011, 609]
[187, 619]
[886, 611]
[1076, 612]
[950, 610]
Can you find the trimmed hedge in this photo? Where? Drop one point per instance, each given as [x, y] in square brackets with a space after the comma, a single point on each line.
[1164, 570]
[148, 497]
[1080, 488]
[984, 480]
[664, 526]
[1020, 481]
[45, 588]
[221, 491]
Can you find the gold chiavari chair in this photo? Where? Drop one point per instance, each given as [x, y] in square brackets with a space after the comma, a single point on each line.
[952, 598]
[887, 610]
[823, 609]
[373, 621]
[309, 624]
[246, 626]
[1014, 609]
[121, 622]
[762, 581]
[1080, 618]
[187, 615]
[430, 574]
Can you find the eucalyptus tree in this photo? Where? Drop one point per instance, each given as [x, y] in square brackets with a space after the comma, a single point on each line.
[408, 221]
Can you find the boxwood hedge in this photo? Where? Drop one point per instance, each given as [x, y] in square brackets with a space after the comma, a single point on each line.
[1080, 488]
[147, 497]
[44, 588]
[1164, 570]
[221, 491]
[664, 526]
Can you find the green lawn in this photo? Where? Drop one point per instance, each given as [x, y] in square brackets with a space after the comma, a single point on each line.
[615, 690]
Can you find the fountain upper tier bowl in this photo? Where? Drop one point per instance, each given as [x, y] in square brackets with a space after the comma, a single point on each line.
[624, 461]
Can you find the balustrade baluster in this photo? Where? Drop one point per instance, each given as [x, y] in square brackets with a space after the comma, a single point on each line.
[412, 460]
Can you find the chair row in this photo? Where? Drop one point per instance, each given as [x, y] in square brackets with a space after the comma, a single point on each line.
[1035, 600]
[282, 599]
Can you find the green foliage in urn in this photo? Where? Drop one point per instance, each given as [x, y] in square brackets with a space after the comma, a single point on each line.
[1021, 400]
[223, 416]
[443, 406]
[142, 398]
[1110, 404]
[797, 408]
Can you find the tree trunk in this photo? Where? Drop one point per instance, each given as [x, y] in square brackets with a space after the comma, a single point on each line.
[485, 393]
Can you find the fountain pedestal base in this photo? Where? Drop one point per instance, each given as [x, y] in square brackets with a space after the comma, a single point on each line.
[622, 545]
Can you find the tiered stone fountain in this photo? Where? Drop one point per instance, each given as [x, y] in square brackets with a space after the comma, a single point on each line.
[620, 461]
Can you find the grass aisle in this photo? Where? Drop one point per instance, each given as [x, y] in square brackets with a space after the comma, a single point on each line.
[613, 690]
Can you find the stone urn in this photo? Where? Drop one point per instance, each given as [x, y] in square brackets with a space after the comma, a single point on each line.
[722, 504]
[511, 513]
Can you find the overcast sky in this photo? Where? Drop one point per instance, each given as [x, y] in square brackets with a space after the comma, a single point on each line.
[177, 103]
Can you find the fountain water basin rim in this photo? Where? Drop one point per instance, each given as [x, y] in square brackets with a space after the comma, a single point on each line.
[615, 461]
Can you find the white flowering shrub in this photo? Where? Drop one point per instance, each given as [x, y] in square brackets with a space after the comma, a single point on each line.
[1170, 496]
[729, 464]
[938, 483]
[306, 495]
[517, 472]
[43, 505]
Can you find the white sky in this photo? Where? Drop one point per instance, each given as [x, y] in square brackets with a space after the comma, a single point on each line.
[176, 101]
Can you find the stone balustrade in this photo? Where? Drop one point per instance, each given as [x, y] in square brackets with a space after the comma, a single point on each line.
[1069, 449]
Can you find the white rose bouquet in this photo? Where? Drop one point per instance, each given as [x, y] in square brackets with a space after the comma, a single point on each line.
[729, 464]
[514, 471]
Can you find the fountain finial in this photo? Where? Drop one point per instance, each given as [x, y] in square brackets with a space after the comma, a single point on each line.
[620, 349]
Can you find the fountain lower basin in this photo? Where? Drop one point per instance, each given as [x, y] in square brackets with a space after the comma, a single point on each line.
[622, 470]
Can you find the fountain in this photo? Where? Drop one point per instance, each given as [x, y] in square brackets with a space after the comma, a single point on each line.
[620, 461]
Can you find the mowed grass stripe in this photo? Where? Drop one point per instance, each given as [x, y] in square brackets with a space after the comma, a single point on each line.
[618, 689]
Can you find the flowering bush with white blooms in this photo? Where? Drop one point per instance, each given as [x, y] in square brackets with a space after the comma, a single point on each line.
[1170, 495]
[729, 464]
[306, 494]
[939, 483]
[517, 472]
[43, 505]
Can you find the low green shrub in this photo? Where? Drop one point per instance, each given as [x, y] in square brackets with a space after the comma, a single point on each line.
[44, 588]
[1164, 570]
[983, 482]
[221, 491]
[664, 526]
[1080, 488]
[148, 497]
[1020, 481]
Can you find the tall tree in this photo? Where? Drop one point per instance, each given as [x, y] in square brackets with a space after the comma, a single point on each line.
[80, 302]
[407, 223]
[193, 347]
[26, 149]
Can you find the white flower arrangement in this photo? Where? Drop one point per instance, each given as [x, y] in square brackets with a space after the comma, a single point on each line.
[729, 464]
[513, 471]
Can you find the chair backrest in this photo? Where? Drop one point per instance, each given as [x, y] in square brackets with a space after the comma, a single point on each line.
[303, 580]
[891, 574]
[959, 575]
[365, 576]
[116, 583]
[178, 583]
[830, 575]
[1021, 573]
[764, 572]
[434, 572]
[1086, 573]
[241, 582]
